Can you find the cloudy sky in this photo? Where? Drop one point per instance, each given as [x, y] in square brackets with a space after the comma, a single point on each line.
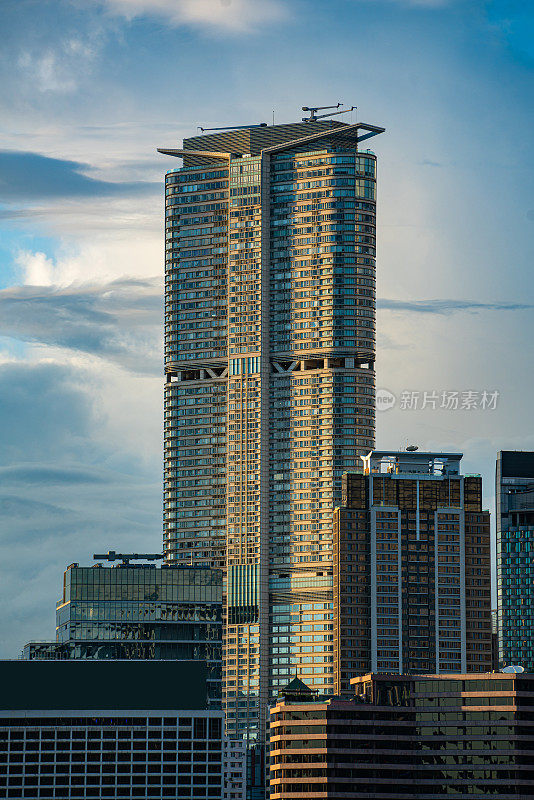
[90, 88]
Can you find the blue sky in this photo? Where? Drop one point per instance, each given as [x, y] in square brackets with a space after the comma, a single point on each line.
[90, 88]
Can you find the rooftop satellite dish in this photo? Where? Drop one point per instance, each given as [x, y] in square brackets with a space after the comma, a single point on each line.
[412, 448]
[513, 668]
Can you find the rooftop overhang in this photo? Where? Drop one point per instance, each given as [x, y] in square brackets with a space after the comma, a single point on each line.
[347, 131]
[415, 454]
[196, 153]
[356, 133]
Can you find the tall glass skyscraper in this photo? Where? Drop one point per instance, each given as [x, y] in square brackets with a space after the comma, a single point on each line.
[269, 395]
[514, 494]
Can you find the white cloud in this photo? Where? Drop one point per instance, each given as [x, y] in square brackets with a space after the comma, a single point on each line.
[115, 253]
[37, 268]
[119, 321]
[58, 69]
[47, 71]
[80, 473]
[230, 15]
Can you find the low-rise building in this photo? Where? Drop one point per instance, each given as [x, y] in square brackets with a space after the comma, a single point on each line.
[406, 737]
[109, 729]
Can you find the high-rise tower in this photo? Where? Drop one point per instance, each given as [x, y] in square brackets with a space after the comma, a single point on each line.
[514, 495]
[269, 396]
[412, 577]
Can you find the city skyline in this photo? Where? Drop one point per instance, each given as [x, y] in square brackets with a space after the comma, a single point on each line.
[81, 469]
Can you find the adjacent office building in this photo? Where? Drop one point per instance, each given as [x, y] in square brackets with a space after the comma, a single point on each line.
[406, 737]
[514, 493]
[113, 729]
[411, 569]
[139, 611]
[269, 396]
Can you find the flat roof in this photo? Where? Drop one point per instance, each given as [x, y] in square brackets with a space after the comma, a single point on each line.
[414, 454]
[104, 685]
[209, 148]
[458, 676]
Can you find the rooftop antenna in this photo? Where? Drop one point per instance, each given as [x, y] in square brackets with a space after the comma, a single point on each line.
[233, 127]
[314, 109]
[125, 558]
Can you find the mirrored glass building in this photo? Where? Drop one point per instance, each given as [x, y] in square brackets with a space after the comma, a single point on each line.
[514, 493]
[422, 737]
[139, 612]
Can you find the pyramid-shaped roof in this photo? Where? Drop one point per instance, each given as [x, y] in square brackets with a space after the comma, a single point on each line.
[296, 686]
[297, 692]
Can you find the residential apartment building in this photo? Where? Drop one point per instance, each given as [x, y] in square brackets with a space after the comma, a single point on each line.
[514, 492]
[269, 395]
[412, 580]
[110, 729]
[406, 738]
[139, 611]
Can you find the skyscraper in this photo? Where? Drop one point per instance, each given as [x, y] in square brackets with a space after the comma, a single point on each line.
[412, 579]
[269, 396]
[514, 493]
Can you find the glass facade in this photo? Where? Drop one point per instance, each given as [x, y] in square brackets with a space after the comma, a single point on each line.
[515, 558]
[139, 612]
[269, 397]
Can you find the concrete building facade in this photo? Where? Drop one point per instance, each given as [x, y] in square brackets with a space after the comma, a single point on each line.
[111, 729]
[412, 578]
[235, 769]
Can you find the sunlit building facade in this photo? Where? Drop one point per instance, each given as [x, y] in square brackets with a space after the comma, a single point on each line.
[269, 396]
[412, 576]
[418, 737]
